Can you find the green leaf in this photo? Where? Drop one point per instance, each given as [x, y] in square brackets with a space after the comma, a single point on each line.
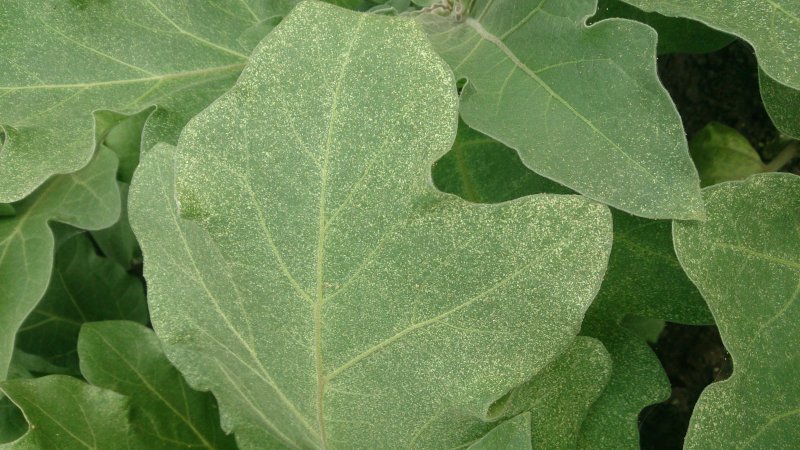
[86, 199]
[6, 210]
[322, 272]
[782, 104]
[643, 279]
[770, 26]
[722, 154]
[118, 241]
[582, 105]
[482, 170]
[556, 399]
[560, 397]
[644, 327]
[126, 357]
[66, 413]
[12, 422]
[745, 259]
[513, 434]
[675, 35]
[118, 55]
[124, 138]
[84, 288]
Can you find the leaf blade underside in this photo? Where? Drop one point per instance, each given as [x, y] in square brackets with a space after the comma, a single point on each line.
[383, 308]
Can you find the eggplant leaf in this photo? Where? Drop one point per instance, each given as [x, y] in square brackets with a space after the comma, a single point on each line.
[771, 26]
[782, 104]
[87, 199]
[582, 105]
[185, 54]
[746, 262]
[126, 357]
[513, 434]
[66, 413]
[84, 288]
[310, 272]
[722, 154]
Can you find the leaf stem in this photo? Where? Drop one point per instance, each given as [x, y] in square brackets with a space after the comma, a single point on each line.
[784, 157]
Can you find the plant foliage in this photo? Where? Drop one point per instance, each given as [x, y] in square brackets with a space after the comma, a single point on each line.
[359, 224]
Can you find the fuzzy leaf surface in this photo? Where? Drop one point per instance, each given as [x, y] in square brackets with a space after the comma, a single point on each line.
[513, 434]
[675, 34]
[309, 272]
[556, 402]
[782, 104]
[120, 55]
[86, 199]
[746, 262]
[66, 413]
[643, 279]
[568, 97]
[126, 357]
[770, 26]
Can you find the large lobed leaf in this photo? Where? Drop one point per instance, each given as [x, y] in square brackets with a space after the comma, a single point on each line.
[63, 61]
[746, 262]
[87, 199]
[315, 281]
[582, 105]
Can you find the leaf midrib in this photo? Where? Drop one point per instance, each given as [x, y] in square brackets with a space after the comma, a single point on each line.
[160, 77]
[321, 235]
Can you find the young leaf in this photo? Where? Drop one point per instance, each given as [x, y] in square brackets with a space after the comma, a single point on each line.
[87, 199]
[513, 434]
[722, 154]
[121, 55]
[84, 288]
[323, 289]
[582, 105]
[770, 26]
[66, 413]
[746, 262]
[6, 210]
[126, 357]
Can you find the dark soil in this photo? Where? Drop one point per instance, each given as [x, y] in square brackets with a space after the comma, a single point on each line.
[693, 357]
[718, 87]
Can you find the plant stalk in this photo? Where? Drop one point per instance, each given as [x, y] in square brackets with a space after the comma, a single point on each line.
[787, 154]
